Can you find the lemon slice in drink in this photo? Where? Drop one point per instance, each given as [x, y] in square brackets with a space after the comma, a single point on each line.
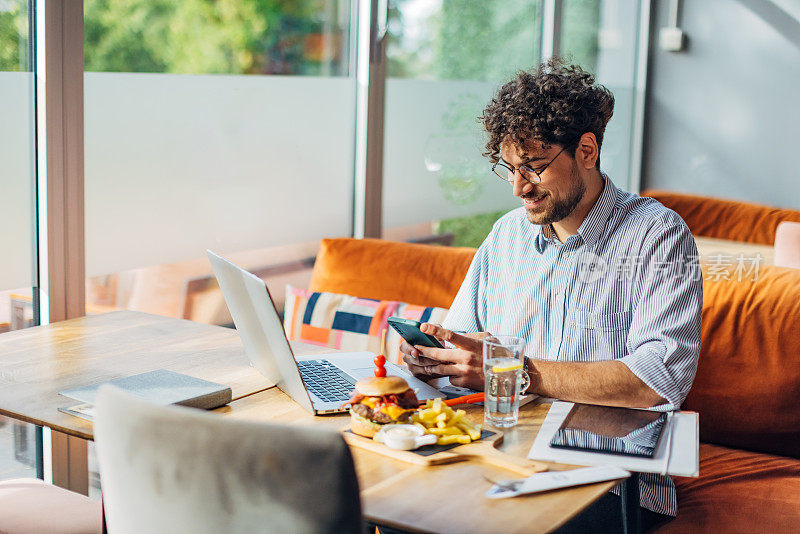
[508, 367]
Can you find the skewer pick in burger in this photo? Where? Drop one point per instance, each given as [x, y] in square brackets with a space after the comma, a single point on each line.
[378, 401]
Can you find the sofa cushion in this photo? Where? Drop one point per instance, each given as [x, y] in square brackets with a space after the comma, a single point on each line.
[787, 245]
[738, 491]
[747, 387]
[385, 270]
[726, 219]
[349, 323]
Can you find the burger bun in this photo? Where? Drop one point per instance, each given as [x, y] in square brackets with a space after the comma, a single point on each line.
[363, 427]
[377, 386]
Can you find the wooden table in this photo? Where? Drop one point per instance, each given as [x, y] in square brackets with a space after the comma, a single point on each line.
[447, 498]
[37, 363]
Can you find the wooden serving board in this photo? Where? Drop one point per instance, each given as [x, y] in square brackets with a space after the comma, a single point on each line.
[483, 451]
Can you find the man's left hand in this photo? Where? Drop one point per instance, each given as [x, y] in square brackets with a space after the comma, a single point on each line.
[463, 364]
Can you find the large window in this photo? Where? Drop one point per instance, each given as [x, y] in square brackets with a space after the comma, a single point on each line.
[580, 30]
[445, 59]
[603, 36]
[230, 125]
[17, 238]
[221, 125]
[212, 125]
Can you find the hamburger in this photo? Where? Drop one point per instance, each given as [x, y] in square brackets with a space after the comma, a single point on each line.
[379, 401]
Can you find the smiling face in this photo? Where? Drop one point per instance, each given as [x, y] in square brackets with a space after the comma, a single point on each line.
[561, 188]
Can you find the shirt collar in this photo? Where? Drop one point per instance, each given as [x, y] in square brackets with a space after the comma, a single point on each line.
[592, 226]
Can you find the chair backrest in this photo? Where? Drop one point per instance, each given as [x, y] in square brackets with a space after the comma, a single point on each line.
[174, 469]
[787, 245]
[726, 219]
[387, 270]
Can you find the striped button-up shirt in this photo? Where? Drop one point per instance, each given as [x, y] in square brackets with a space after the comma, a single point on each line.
[626, 287]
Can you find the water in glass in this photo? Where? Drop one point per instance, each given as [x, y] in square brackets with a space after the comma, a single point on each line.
[504, 380]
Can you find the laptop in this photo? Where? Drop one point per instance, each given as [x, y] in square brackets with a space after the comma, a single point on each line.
[320, 383]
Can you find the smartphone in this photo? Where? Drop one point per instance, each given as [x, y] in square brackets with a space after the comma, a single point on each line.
[409, 330]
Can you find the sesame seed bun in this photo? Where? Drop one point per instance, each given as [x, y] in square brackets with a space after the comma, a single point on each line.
[377, 386]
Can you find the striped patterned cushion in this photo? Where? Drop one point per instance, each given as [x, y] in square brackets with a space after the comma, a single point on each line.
[349, 323]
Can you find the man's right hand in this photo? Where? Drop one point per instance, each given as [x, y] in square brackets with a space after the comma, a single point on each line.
[463, 364]
[419, 365]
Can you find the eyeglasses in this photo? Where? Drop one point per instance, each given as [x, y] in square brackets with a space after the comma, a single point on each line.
[506, 171]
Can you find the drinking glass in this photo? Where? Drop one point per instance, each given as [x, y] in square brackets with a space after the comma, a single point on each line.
[505, 379]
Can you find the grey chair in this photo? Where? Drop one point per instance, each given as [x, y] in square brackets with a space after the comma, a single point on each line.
[174, 469]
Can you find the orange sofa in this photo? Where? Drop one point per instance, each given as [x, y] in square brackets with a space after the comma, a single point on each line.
[726, 219]
[747, 388]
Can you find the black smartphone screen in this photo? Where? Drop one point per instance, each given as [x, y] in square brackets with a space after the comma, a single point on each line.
[409, 330]
[610, 430]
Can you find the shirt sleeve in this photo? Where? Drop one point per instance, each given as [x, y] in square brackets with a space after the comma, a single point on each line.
[666, 326]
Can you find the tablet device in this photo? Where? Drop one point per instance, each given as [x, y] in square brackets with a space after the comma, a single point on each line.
[610, 430]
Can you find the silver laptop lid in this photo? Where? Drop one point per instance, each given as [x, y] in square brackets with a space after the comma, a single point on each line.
[260, 328]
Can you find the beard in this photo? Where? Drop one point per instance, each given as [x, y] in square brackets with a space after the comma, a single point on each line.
[553, 211]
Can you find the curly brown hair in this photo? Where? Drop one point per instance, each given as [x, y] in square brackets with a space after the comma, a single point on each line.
[555, 104]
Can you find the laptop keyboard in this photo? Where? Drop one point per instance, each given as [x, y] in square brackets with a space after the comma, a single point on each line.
[326, 381]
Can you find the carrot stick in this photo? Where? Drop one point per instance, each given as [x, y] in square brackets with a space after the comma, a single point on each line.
[466, 399]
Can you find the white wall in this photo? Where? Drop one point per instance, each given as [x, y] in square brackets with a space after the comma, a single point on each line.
[722, 116]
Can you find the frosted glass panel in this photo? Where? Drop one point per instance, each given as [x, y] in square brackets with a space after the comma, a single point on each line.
[602, 36]
[615, 154]
[17, 230]
[446, 58]
[16, 174]
[176, 164]
[433, 167]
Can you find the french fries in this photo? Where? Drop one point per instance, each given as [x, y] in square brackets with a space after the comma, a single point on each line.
[450, 426]
[447, 431]
[449, 440]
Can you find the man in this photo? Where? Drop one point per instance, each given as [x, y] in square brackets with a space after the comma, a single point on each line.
[597, 280]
